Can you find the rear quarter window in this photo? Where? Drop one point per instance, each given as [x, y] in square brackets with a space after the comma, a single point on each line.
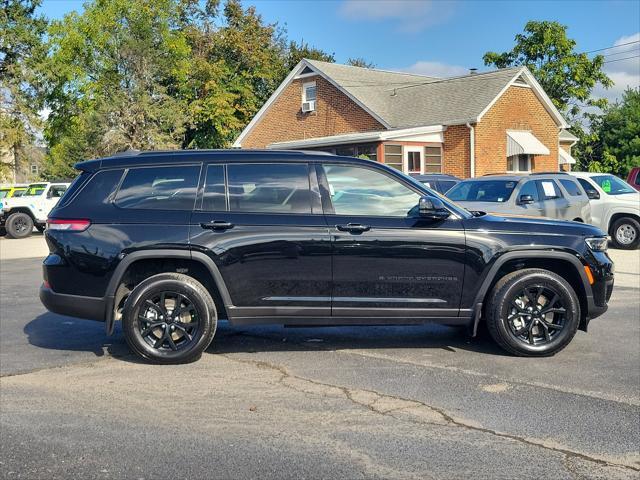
[75, 186]
[99, 189]
[159, 188]
[571, 187]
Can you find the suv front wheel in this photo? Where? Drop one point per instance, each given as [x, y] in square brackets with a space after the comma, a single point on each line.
[169, 318]
[533, 313]
[625, 233]
[19, 225]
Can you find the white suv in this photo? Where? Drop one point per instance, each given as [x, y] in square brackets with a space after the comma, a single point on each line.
[615, 207]
[18, 215]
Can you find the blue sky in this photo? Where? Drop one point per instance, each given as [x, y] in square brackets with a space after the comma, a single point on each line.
[443, 38]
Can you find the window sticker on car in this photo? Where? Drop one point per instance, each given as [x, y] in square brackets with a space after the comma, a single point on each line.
[606, 186]
[549, 191]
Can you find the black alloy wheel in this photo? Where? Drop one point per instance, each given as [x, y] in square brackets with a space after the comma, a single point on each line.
[19, 225]
[169, 318]
[532, 312]
[536, 314]
[168, 321]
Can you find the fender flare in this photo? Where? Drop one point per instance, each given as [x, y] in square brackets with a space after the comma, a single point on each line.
[129, 259]
[517, 255]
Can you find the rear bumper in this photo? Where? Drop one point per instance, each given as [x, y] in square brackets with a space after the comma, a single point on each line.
[90, 308]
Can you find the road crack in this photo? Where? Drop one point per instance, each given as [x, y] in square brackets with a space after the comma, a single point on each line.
[415, 411]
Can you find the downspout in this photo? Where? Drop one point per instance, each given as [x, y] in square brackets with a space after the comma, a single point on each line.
[472, 148]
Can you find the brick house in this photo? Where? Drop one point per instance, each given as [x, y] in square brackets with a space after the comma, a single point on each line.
[494, 122]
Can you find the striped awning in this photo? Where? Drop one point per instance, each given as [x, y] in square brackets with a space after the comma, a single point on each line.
[565, 158]
[522, 142]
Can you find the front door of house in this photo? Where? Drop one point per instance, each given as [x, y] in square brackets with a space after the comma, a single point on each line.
[413, 159]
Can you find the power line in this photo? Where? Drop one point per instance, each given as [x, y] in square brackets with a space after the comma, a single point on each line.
[614, 46]
[621, 59]
[632, 50]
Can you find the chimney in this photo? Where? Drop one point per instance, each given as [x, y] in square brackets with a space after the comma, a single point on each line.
[473, 71]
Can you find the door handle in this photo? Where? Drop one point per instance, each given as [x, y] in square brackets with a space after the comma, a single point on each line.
[217, 225]
[353, 228]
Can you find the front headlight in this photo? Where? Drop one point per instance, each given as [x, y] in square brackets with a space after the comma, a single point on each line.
[597, 244]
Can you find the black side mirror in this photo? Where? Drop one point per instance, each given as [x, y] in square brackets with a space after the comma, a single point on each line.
[593, 194]
[525, 200]
[432, 208]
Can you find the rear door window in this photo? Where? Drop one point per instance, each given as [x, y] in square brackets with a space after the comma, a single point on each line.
[548, 190]
[571, 187]
[269, 188]
[159, 188]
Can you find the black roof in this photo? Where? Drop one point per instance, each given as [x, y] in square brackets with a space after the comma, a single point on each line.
[159, 157]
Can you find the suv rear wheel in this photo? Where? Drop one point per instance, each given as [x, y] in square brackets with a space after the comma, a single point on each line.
[19, 225]
[169, 318]
[625, 233]
[533, 313]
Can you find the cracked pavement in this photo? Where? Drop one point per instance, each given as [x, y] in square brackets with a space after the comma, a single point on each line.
[374, 402]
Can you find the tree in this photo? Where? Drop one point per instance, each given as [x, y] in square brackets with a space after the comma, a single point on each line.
[360, 62]
[613, 142]
[567, 76]
[21, 51]
[298, 51]
[113, 76]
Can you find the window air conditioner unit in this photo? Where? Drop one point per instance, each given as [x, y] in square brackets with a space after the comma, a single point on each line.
[308, 106]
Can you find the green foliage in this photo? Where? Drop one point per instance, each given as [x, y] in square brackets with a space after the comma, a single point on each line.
[21, 51]
[613, 142]
[145, 74]
[568, 77]
[360, 62]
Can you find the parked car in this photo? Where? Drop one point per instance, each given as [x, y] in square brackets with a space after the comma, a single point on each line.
[9, 191]
[171, 243]
[553, 195]
[18, 215]
[615, 207]
[440, 182]
[634, 178]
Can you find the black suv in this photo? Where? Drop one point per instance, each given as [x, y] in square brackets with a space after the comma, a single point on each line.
[172, 242]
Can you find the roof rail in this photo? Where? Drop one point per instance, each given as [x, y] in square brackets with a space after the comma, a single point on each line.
[549, 173]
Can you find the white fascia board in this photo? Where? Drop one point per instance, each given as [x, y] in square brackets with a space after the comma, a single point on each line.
[297, 69]
[432, 132]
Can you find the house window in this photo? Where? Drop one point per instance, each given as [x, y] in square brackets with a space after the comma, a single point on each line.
[413, 162]
[519, 163]
[393, 156]
[432, 160]
[346, 151]
[34, 169]
[309, 92]
[370, 151]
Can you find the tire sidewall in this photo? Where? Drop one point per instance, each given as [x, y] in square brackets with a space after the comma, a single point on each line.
[626, 221]
[572, 317]
[10, 225]
[204, 307]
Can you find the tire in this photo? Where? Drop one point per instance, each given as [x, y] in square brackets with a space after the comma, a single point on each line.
[625, 233]
[19, 225]
[151, 337]
[532, 333]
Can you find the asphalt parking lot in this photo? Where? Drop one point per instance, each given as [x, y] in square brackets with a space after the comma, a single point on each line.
[268, 402]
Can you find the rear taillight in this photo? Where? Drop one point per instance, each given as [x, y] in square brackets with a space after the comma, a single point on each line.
[78, 225]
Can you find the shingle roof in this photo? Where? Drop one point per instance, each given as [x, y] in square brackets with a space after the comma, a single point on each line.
[406, 100]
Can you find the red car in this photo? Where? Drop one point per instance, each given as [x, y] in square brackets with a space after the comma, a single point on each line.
[634, 178]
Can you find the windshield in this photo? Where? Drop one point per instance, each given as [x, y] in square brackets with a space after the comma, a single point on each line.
[19, 193]
[612, 185]
[34, 190]
[4, 193]
[482, 191]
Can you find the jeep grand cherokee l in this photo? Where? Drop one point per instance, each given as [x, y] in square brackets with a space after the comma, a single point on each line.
[172, 242]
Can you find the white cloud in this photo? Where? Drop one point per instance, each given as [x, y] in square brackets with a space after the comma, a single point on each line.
[409, 15]
[435, 69]
[624, 73]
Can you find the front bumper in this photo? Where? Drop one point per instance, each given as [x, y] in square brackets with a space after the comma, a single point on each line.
[603, 271]
[90, 308]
